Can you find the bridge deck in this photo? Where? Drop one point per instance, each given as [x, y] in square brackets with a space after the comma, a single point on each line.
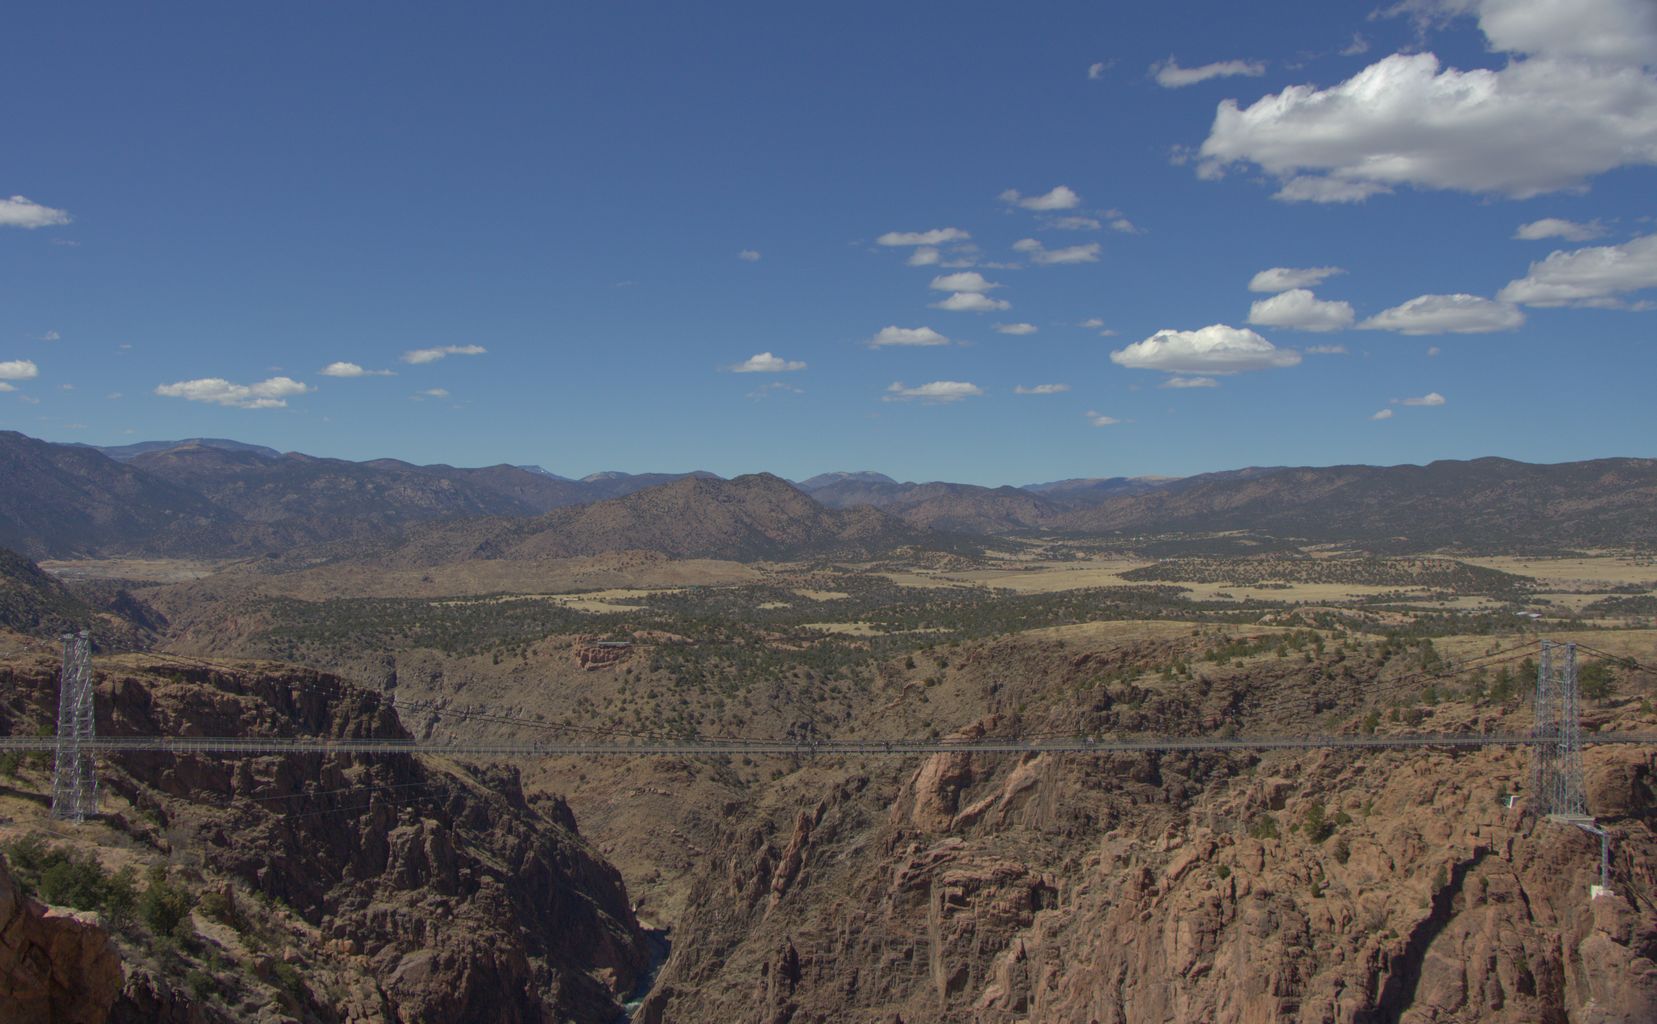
[246, 745]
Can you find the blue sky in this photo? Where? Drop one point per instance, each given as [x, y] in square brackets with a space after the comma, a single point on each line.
[560, 231]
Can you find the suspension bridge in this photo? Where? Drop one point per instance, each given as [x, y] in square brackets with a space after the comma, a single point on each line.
[1556, 740]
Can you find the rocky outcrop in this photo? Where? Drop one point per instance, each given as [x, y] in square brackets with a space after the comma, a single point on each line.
[1347, 887]
[435, 883]
[56, 966]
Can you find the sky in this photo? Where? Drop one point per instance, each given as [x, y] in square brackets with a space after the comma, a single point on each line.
[985, 243]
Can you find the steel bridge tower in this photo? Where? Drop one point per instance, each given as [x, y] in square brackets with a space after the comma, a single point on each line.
[1556, 757]
[74, 776]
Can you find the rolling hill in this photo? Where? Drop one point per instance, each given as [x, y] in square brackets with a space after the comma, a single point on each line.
[1482, 504]
[749, 518]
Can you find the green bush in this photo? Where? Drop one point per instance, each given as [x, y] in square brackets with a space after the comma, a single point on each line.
[1263, 827]
[1318, 827]
[69, 879]
[288, 979]
[1595, 680]
[164, 907]
[201, 984]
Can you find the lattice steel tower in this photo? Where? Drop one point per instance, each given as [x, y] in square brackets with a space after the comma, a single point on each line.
[74, 777]
[1556, 757]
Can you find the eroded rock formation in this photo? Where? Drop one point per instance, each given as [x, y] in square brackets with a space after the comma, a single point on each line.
[56, 966]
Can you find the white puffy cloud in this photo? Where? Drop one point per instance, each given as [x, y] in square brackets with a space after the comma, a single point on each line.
[1282, 279]
[432, 355]
[51, 336]
[1536, 125]
[4, 387]
[353, 370]
[1092, 322]
[1618, 31]
[1097, 69]
[1447, 314]
[971, 302]
[1170, 75]
[907, 336]
[19, 369]
[1059, 197]
[1189, 382]
[1431, 398]
[1099, 419]
[1075, 222]
[1299, 309]
[430, 393]
[1309, 188]
[267, 394]
[1587, 277]
[1384, 414]
[923, 256]
[749, 255]
[1124, 225]
[1016, 328]
[21, 212]
[965, 281]
[1041, 389]
[1088, 253]
[765, 362]
[1043, 256]
[1556, 227]
[936, 391]
[1215, 349]
[937, 236]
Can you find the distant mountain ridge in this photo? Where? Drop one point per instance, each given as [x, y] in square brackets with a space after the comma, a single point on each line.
[749, 518]
[219, 498]
[128, 452]
[1488, 503]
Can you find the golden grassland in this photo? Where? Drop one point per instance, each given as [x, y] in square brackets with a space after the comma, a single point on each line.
[146, 570]
[1569, 573]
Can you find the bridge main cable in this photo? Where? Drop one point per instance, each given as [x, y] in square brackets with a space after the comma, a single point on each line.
[508, 749]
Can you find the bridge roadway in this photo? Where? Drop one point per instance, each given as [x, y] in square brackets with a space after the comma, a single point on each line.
[501, 749]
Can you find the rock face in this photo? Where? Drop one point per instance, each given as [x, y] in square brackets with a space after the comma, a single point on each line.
[56, 966]
[1324, 886]
[433, 893]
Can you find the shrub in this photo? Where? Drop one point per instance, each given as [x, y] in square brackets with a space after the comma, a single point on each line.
[201, 985]
[70, 879]
[215, 906]
[287, 978]
[121, 895]
[164, 907]
[1595, 680]
[1318, 827]
[1263, 827]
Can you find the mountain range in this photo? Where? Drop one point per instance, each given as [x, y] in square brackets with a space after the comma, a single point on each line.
[216, 497]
